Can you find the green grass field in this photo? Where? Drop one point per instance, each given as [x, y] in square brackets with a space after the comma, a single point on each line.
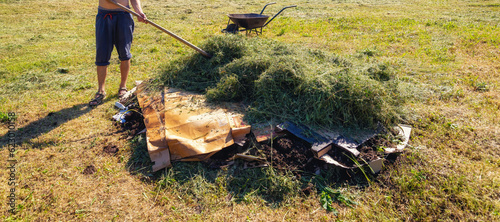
[448, 51]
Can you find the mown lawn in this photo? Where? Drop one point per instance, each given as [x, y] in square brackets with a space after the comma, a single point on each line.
[448, 50]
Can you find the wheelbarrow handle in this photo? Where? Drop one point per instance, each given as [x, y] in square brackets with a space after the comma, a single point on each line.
[164, 30]
[291, 6]
[272, 3]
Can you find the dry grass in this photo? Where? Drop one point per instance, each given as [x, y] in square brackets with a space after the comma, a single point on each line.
[449, 49]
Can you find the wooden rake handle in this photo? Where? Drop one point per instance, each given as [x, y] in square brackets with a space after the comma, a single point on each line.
[163, 29]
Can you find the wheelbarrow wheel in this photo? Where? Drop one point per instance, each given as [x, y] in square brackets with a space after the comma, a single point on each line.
[231, 28]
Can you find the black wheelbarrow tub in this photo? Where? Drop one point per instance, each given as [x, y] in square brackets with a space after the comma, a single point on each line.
[249, 21]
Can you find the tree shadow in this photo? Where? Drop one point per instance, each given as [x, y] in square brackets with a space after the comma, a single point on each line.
[44, 125]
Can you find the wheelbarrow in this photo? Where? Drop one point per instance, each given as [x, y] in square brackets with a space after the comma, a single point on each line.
[250, 21]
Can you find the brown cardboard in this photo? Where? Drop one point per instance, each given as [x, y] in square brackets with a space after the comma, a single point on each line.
[152, 111]
[182, 126]
[263, 131]
[193, 128]
[321, 149]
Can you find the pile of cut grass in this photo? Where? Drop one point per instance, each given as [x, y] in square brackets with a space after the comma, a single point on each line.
[285, 82]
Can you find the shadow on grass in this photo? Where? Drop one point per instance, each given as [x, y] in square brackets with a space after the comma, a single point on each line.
[235, 182]
[139, 161]
[44, 125]
[194, 180]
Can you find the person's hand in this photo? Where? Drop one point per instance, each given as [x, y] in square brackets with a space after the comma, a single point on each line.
[143, 17]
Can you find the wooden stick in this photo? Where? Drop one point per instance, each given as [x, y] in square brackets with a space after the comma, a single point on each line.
[164, 30]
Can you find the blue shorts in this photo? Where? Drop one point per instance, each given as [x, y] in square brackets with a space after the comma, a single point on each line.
[113, 29]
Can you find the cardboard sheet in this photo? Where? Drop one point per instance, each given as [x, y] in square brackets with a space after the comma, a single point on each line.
[152, 109]
[182, 126]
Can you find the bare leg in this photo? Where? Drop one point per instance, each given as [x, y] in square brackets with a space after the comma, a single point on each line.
[102, 72]
[124, 71]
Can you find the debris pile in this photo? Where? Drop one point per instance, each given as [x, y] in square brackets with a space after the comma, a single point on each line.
[183, 126]
[195, 110]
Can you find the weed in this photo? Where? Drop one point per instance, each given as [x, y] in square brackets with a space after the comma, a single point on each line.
[328, 196]
[326, 202]
[4, 117]
[481, 87]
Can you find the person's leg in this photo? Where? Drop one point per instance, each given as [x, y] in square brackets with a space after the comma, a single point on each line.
[124, 71]
[102, 72]
[101, 91]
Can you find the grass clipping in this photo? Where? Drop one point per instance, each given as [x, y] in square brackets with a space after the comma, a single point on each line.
[284, 82]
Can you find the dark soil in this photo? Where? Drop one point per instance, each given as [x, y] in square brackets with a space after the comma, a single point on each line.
[379, 141]
[134, 122]
[343, 157]
[288, 152]
[368, 153]
[110, 148]
[89, 170]
[224, 157]
[285, 153]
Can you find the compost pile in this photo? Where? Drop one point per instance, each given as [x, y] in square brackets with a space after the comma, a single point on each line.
[278, 82]
[286, 82]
